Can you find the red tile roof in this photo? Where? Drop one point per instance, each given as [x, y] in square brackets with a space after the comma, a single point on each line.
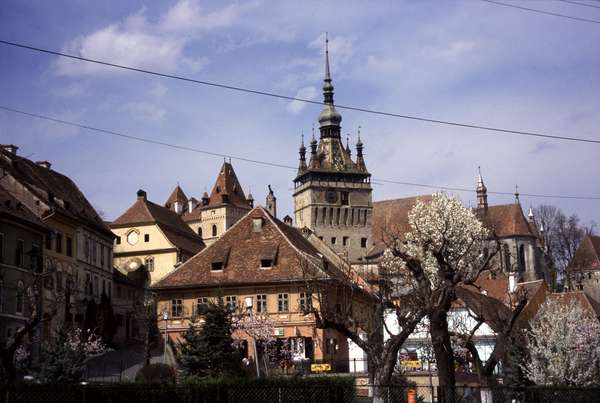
[240, 251]
[569, 298]
[14, 209]
[587, 256]
[177, 232]
[54, 189]
[227, 184]
[506, 220]
[176, 196]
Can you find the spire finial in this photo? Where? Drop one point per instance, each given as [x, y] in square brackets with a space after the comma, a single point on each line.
[358, 134]
[517, 194]
[327, 72]
[313, 131]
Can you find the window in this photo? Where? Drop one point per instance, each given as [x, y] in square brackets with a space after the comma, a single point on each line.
[1, 296]
[266, 263]
[146, 237]
[58, 242]
[118, 240]
[214, 230]
[216, 266]
[345, 241]
[104, 287]
[48, 241]
[149, 263]
[507, 263]
[20, 300]
[522, 266]
[176, 308]
[201, 304]
[333, 240]
[101, 255]
[344, 198]
[94, 251]
[1, 248]
[69, 246]
[261, 303]
[36, 258]
[200, 232]
[89, 287]
[109, 290]
[231, 302]
[20, 253]
[96, 286]
[305, 302]
[363, 242]
[282, 303]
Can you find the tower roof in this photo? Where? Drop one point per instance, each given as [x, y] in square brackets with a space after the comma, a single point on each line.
[227, 183]
[176, 196]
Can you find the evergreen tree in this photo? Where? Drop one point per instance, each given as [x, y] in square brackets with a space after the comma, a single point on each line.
[207, 350]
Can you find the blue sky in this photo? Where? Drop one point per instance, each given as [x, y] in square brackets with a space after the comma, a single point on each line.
[466, 61]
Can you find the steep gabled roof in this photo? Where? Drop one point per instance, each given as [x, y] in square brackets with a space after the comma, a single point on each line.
[588, 305]
[54, 189]
[505, 220]
[587, 256]
[177, 232]
[227, 183]
[176, 196]
[240, 251]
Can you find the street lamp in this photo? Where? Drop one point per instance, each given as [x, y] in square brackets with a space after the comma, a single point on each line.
[165, 318]
[248, 303]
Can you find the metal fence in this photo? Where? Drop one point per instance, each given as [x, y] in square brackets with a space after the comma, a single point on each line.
[128, 393]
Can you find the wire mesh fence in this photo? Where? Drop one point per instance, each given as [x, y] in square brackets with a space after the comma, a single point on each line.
[245, 393]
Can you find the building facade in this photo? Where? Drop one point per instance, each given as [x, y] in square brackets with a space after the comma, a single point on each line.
[583, 272]
[72, 267]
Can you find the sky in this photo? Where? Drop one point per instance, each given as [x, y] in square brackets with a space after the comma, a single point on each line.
[465, 61]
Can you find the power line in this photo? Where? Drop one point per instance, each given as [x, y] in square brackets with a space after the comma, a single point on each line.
[534, 10]
[579, 3]
[494, 130]
[267, 163]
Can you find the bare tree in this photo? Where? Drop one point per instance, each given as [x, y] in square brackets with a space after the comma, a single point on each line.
[562, 234]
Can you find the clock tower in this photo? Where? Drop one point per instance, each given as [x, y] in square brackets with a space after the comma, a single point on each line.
[332, 192]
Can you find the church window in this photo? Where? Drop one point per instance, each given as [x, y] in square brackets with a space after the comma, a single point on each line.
[333, 240]
[363, 242]
[522, 258]
[344, 198]
[507, 263]
[214, 230]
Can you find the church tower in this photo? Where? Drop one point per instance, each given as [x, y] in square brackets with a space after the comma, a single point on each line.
[332, 193]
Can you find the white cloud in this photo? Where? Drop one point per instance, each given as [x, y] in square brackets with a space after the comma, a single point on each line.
[305, 93]
[453, 51]
[144, 110]
[188, 16]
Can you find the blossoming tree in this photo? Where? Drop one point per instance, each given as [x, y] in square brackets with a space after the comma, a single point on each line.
[564, 346]
[446, 246]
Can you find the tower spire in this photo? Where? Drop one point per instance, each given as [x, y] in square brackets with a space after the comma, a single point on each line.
[481, 192]
[302, 165]
[517, 201]
[327, 71]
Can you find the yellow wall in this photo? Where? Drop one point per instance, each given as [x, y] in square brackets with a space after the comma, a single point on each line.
[158, 247]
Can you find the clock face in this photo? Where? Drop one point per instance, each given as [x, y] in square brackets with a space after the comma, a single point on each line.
[331, 196]
[132, 238]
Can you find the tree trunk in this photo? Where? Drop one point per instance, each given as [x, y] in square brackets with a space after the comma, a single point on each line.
[147, 353]
[444, 356]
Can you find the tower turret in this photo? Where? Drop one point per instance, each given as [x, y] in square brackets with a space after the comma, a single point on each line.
[302, 152]
[271, 202]
[482, 202]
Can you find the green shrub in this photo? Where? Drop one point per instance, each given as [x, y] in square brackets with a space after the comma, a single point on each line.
[156, 373]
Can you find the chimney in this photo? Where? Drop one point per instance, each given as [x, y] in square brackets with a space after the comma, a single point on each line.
[191, 204]
[272, 203]
[11, 148]
[141, 195]
[45, 164]
[178, 207]
[512, 282]
[288, 220]
[205, 199]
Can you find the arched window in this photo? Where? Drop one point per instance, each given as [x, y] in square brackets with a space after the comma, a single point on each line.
[200, 232]
[522, 258]
[214, 230]
[507, 263]
[149, 263]
[20, 300]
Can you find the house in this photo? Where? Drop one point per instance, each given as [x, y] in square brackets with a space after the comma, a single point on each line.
[78, 252]
[21, 265]
[273, 266]
[583, 272]
[155, 237]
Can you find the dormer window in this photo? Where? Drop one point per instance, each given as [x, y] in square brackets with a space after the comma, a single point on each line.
[220, 260]
[257, 224]
[266, 263]
[216, 266]
[268, 256]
